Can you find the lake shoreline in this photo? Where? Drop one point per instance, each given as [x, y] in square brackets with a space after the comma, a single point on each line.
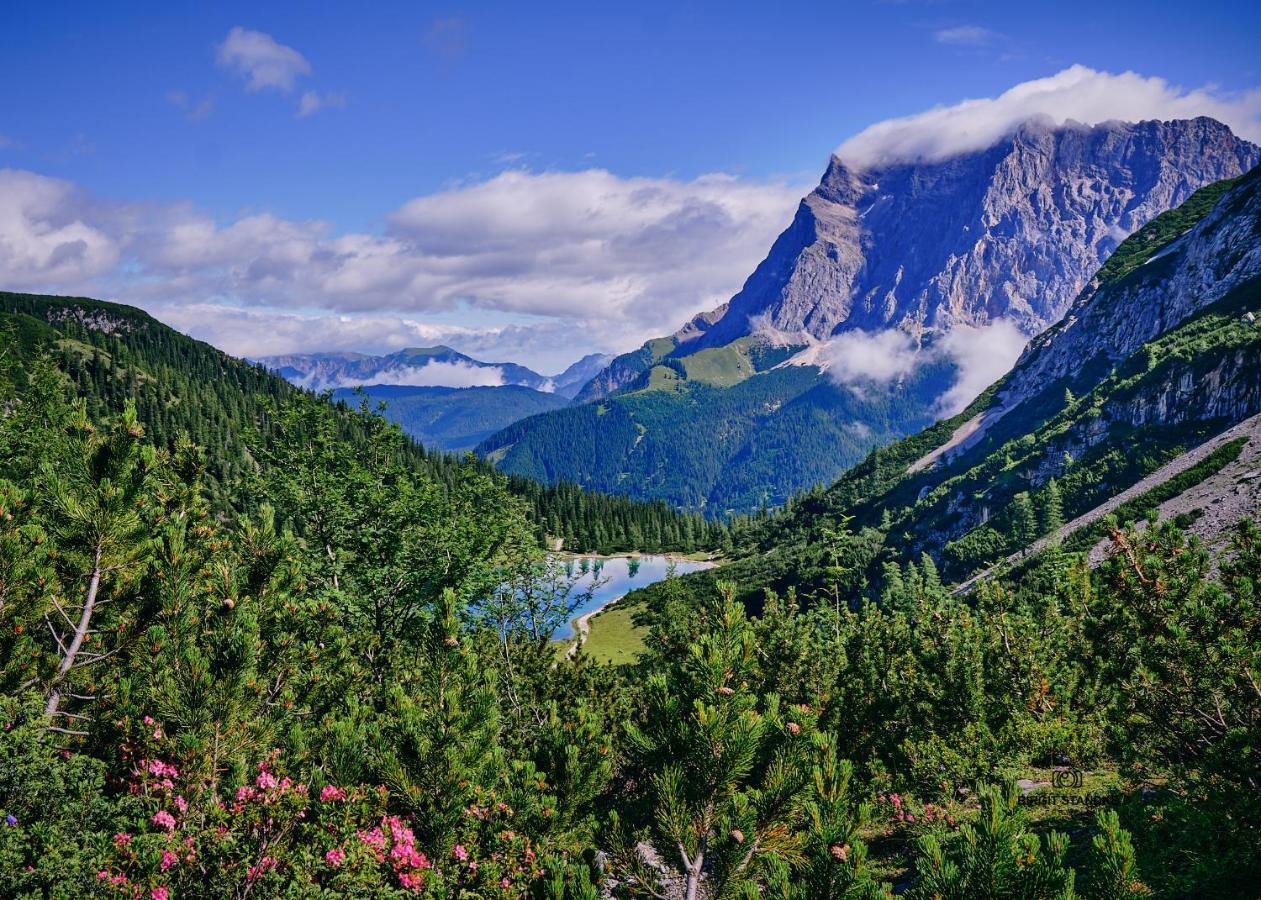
[581, 625]
[697, 557]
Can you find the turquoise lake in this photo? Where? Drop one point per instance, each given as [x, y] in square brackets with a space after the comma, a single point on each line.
[618, 576]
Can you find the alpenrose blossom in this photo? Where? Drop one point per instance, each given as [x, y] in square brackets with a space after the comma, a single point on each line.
[331, 792]
[164, 819]
[335, 857]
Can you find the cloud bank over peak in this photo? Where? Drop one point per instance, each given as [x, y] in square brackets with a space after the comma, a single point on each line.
[1077, 93]
[455, 374]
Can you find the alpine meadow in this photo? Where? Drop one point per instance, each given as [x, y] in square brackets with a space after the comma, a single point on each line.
[921, 558]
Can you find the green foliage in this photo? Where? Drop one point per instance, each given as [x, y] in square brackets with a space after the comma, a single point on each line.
[995, 857]
[113, 355]
[1190, 648]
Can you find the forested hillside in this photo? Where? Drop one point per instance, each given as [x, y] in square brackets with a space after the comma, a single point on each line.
[186, 388]
[711, 441]
[349, 689]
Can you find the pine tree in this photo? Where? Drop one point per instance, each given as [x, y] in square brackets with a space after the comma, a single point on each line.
[726, 768]
[995, 857]
[94, 495]
[1052, 508]
[1024, 522]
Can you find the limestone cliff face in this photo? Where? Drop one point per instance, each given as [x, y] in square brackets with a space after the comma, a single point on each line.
[1014, 231]
[1106, 324]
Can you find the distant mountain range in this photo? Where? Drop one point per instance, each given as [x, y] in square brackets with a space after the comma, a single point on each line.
[851, 332]
[445, 399]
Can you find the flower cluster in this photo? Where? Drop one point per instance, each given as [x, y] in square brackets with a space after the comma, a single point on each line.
[392, 842]
[903, 811]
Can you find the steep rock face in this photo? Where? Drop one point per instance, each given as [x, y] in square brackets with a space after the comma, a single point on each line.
[1013, 231]
[1105, 325]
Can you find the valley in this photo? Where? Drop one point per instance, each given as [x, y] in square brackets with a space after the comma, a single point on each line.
[472, 453]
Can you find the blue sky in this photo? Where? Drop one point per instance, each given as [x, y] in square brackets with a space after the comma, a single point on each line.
[119, 113]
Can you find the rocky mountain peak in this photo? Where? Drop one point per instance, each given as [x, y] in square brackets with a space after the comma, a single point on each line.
[1011, 231]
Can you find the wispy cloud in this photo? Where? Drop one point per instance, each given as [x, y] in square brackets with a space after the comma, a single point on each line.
[263, 62]
[447, 39]
[194, 112]
[863, 361]
[312, 102]
[967, 36]
[1077, 93]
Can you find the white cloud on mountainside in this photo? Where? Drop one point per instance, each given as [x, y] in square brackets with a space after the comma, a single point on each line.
[1077, 93]
[862, 360]
[443, 374]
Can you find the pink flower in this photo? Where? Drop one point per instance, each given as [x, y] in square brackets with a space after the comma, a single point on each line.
[266, 864]
[159, 893]
[411, 880]
[164, 819]
[122, 839]
[162, 769]
[335, 857]
[505, 883]
[169, 859]
[330, 793]
[148, 720]
[265, 780]
[181, 804]
[460, 853]
[244, 793]
[102, 875]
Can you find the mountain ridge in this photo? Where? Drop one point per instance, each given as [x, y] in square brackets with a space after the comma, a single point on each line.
[877, 268]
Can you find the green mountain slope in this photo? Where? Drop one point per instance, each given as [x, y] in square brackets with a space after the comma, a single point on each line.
[1094, 406]
[113, 353]
[726, 431]
[456, 419]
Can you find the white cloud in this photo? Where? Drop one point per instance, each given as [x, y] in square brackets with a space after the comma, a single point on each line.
[1078, 93]
[966, 36]
[43, 236]
[255, 333]
[312, 102]
[981, 357]
[261, 61]
[857, 358]
[862, 360]
[444, 374]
